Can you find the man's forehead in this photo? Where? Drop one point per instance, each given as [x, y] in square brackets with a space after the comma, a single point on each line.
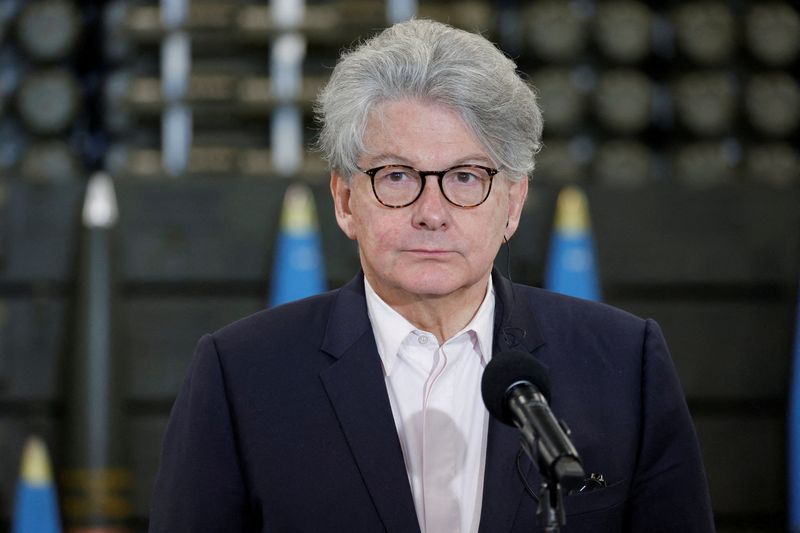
[411, 132]
[388, 157]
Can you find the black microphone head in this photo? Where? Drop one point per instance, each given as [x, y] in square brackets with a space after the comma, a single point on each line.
[504, 370]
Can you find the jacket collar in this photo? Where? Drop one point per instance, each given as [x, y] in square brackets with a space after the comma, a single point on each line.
[515, 325]
[348, 320]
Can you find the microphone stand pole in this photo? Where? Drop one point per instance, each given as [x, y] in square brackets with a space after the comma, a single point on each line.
[550, 513]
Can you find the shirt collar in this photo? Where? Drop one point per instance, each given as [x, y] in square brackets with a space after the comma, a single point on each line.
[391, 328]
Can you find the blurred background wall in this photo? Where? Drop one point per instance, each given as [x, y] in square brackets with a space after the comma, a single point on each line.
[679, 119]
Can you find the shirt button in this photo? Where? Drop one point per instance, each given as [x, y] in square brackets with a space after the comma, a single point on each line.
[423, 339]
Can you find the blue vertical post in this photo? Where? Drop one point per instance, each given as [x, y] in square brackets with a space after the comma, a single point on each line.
[400, 10]
[793, 430]
[286, 76]
[176, 66]
[36, 507]
[571, 266]
[298, 270]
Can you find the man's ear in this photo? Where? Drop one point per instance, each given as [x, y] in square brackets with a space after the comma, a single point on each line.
[517, 192]
[340, 189]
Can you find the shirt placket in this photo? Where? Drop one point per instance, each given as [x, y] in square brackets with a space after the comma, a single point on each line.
[440, 442]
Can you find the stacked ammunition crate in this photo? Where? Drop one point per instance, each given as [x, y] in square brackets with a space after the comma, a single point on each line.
[698, 94]
[230, 86]
[46, 129]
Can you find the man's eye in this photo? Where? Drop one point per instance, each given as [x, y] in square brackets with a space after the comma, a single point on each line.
[397, 176]
[465, 177]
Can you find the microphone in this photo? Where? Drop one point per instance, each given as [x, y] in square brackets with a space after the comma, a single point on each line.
[516, 389]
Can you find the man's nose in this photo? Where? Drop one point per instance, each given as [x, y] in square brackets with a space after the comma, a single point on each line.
[431, 210]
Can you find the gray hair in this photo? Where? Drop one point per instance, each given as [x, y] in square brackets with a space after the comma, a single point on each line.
[431, 62]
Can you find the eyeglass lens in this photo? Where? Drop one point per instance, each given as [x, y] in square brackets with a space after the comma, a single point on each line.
[466, 186]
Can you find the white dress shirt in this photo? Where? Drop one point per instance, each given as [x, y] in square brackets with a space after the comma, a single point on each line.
[434, 391]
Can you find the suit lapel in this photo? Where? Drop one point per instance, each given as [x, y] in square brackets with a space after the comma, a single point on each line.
[356, 388]
[515, 329]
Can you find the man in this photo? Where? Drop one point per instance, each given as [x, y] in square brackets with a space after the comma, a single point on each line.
[359, 410]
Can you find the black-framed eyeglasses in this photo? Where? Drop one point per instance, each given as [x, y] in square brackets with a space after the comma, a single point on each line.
[400, 185]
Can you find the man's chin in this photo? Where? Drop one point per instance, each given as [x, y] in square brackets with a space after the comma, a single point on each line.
[435, 284]
[428, 279]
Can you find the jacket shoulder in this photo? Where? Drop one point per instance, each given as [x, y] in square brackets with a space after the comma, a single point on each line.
[553, 309]
[578, 328]
[279, 328]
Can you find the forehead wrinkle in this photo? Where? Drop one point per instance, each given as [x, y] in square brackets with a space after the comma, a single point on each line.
[390, 158]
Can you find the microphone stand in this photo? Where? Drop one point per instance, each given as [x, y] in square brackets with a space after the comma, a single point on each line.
[550, 513]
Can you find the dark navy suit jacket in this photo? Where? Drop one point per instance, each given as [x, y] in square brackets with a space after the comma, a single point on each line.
[284, 424]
